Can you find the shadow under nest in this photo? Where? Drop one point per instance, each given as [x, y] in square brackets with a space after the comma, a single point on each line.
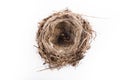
[63, 38]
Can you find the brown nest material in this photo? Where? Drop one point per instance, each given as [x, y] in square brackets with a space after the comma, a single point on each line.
[63, 38]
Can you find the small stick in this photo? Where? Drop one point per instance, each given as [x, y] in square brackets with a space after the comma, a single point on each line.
[94, 16]
[43, 69]
[35, 46]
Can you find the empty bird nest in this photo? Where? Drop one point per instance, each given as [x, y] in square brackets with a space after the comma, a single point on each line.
[63, 38]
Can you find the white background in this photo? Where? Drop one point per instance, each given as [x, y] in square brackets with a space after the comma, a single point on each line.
[19, 59]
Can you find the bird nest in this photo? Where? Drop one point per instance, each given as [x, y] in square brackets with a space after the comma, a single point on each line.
[63, 38]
